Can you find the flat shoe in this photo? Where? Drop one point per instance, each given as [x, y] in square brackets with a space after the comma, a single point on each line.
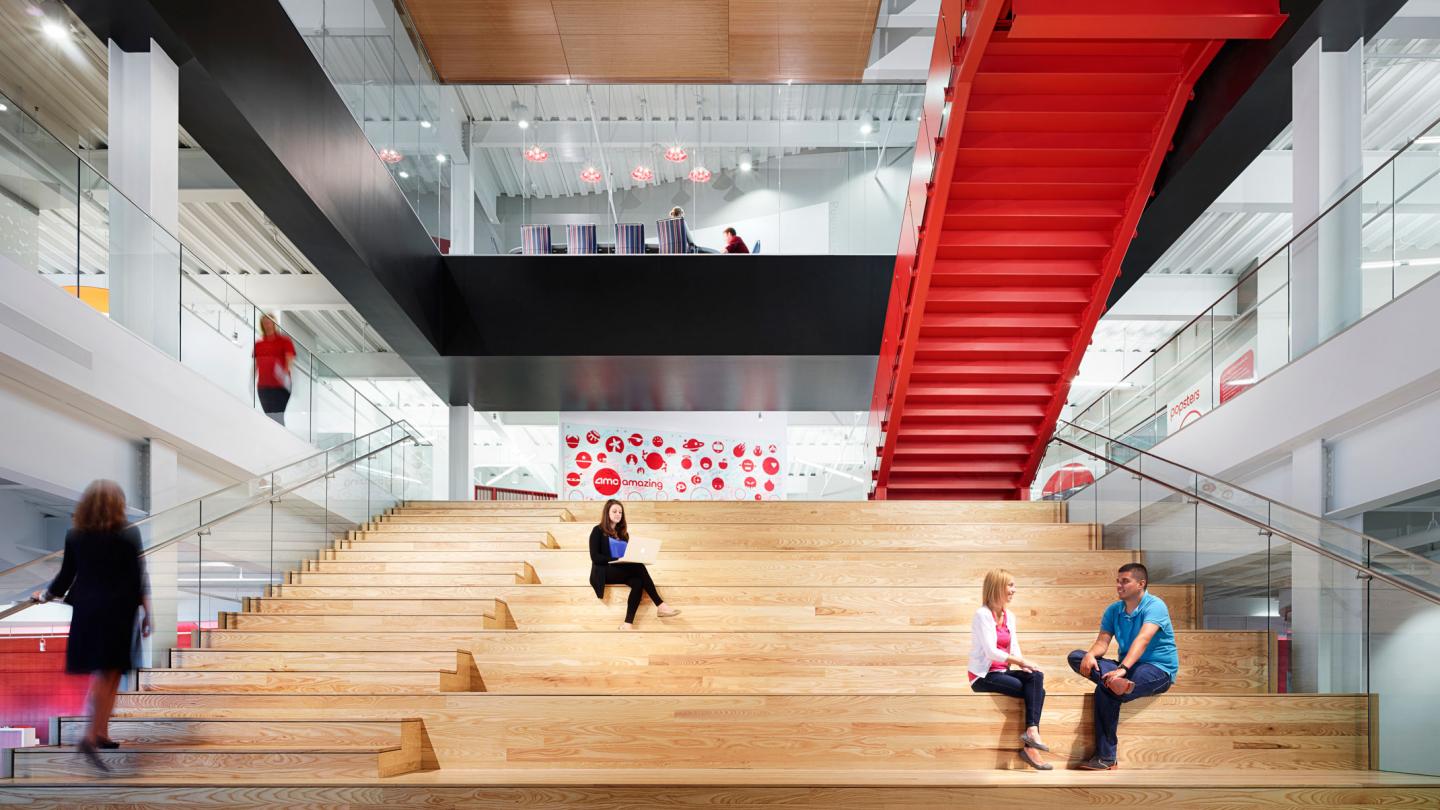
[1034, 763]
[1030, 743]
[107, 744]
[1097, 764]
[668, 613]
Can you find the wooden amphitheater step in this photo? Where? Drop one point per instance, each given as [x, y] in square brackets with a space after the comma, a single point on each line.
[328, 640]
[193, 659]
[418, 607]
[614, 662]
[818, 568]
[358, 682]
[770, 536]
[924, 733]
[325, 673]
[405, 732]
[612, 788]
[214, 760]
[351, 622]
[780, 511]
[747, 608]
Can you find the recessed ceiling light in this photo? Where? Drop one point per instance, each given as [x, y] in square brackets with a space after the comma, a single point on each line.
[3, 108]
[425, 124]
[404, 175]
[867, 125]
[439, 158]
[55, 30]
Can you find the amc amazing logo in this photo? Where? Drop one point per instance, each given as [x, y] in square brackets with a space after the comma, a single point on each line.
[606, 481]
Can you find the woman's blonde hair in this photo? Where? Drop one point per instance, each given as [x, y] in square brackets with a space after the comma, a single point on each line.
[993, 591]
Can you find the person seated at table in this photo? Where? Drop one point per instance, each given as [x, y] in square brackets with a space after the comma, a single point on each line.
[733, 242]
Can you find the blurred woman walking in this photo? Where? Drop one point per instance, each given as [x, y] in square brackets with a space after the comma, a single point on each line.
[102, 577]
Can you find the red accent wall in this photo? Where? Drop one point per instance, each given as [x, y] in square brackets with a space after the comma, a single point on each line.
[34, 686]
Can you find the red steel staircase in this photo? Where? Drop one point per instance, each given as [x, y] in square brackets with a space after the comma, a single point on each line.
[1045, 124]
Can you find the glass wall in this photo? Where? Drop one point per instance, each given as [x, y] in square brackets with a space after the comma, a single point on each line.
[811, 169]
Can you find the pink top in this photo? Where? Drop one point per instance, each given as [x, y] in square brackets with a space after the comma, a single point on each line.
[1002, 641]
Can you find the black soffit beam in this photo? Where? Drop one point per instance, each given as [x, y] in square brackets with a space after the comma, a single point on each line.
[1242, 103]
[645, 333]
[254, 97]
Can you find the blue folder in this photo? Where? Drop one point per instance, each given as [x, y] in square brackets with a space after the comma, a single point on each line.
[617, 548]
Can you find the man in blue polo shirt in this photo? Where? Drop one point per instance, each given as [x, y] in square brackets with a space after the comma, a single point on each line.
[1140, 624]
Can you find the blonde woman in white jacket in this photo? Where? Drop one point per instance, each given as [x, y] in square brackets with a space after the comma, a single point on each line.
[994, 649]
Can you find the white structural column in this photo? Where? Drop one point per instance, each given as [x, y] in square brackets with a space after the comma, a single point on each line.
[144, 165]
[462, 209]
[160, 474]
[1325, 273]
[462, 444]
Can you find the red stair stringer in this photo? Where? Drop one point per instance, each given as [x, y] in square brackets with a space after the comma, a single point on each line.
[1059, 117]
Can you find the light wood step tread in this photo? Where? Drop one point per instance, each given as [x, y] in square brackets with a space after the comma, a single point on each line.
[803, 777]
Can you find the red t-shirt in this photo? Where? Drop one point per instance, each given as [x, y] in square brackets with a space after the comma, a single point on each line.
[734, 244]
[272, 359]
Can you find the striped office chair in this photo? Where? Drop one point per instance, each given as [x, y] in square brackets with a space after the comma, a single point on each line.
[535, 240]
[580, 240]
[673, 236]
[629, 238]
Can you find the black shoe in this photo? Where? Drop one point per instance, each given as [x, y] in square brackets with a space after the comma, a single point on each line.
[87, 750]
[107, 744]
[1095, 763]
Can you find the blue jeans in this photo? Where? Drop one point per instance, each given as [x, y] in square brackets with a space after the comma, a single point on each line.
[1149, 680]
[1028, 686]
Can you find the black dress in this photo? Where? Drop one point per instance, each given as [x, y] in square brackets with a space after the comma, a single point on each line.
[103, 578]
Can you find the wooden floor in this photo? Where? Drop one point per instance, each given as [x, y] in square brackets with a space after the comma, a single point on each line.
[453, 654]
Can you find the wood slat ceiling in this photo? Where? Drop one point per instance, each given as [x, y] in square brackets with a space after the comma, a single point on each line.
[596, 41]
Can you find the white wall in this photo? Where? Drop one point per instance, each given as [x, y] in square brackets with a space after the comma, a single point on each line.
[82, 393]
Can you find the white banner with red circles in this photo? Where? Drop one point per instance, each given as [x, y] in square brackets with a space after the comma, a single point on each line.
[647, 465]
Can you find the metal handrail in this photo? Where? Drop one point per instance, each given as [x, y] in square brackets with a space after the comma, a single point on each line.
[29, 603]
[1359, 568]
[1257, 496]
[410, 435]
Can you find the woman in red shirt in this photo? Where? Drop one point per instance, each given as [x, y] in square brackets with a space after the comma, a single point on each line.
[273, 355]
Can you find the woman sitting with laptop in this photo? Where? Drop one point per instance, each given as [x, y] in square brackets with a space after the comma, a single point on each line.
[607, 544]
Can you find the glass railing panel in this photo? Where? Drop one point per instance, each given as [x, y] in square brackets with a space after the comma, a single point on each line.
[1328, 624]
[188, 617]
[1117, 508]
[39, 195]
[1406, 566]
[1417, 188]
[333, 406]
[217, 331]
[236, 560]
[17, 584]
[1378, 254]
[135, 260]
[1404, 635]
[301, 528]
[1328, 536]
[232, 499]
[348, 498]
[1166, 529]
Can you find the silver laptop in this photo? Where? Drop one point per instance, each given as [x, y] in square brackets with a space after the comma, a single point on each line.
[640, 551]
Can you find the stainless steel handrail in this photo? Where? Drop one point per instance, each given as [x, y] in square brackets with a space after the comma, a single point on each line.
[1257, 496]
[1359, 568]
